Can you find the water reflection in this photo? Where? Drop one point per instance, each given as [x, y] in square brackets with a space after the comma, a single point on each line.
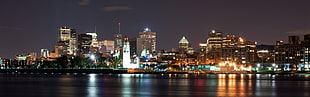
[234, 85]
[92, 90]
[144, 85]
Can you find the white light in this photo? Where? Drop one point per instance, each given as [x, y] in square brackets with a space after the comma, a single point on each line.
[147, 29]
[92, 57]
[258, 65]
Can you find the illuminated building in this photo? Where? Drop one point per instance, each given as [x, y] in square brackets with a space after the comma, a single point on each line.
[214, 44]
[84, 43]
[68, 36]
[44, 53]
[239, 51]
[118, 40]
[146, 40]
[61, 49]
[108, 44]
[294, 55]
[118, 37]
[183, 45]
[94, 46]
[126, 56]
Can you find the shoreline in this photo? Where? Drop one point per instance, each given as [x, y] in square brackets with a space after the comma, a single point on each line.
[125, 71]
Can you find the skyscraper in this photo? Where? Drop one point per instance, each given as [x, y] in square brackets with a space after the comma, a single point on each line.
[146, 40]
[183, 45]
[84, 43]
[68, 36]
[118, 37]
[214, 44]
[293, 40]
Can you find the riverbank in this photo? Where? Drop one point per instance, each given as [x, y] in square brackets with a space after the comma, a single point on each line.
[139, 71]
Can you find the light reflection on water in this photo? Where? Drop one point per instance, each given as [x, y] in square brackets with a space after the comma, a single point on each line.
[146, 85]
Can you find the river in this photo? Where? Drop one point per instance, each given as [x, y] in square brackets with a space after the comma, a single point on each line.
[154, 85]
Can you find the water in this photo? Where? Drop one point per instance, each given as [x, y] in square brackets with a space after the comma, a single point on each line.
[154, 85]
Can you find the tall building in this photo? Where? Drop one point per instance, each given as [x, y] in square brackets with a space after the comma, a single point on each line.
[94, 46]
[133, 46]
[84, 43]
[126, 53]
[294, 55]
[118, 40]
[293, 40]
[61, 48]
[307, 38]
[108, 44]
[183, 43]
[214, 44]
[68, 36]
[146, 40]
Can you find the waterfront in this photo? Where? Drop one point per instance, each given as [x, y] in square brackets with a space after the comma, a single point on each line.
[146, 85]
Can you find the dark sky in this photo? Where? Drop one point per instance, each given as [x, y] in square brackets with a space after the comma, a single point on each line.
[29, 25]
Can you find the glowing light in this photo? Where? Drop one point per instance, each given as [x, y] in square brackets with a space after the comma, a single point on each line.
[241, 40]
[281, 41]
[92, 57]
[213, 31]
[147, 29]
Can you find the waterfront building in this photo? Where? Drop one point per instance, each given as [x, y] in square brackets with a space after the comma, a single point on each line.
[127, 63]
[294, 55]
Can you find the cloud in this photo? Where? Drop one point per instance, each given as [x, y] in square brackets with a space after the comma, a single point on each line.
[84, 2]
[299, 32]
[116, 8]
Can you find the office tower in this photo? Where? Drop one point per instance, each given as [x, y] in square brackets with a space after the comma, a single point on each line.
[118, 40]
[214, 44]
[146, 40]
[183, 43]
[84, 43]
[214, 40]
[229, 41]
[68, 36]
[293, 40]
[61, 48]
[94, 47]
[108, 44]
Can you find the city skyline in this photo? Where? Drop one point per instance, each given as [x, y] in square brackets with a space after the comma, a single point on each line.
[27, 26]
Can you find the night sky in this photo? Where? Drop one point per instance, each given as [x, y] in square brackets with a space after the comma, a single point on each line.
[29, 25]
